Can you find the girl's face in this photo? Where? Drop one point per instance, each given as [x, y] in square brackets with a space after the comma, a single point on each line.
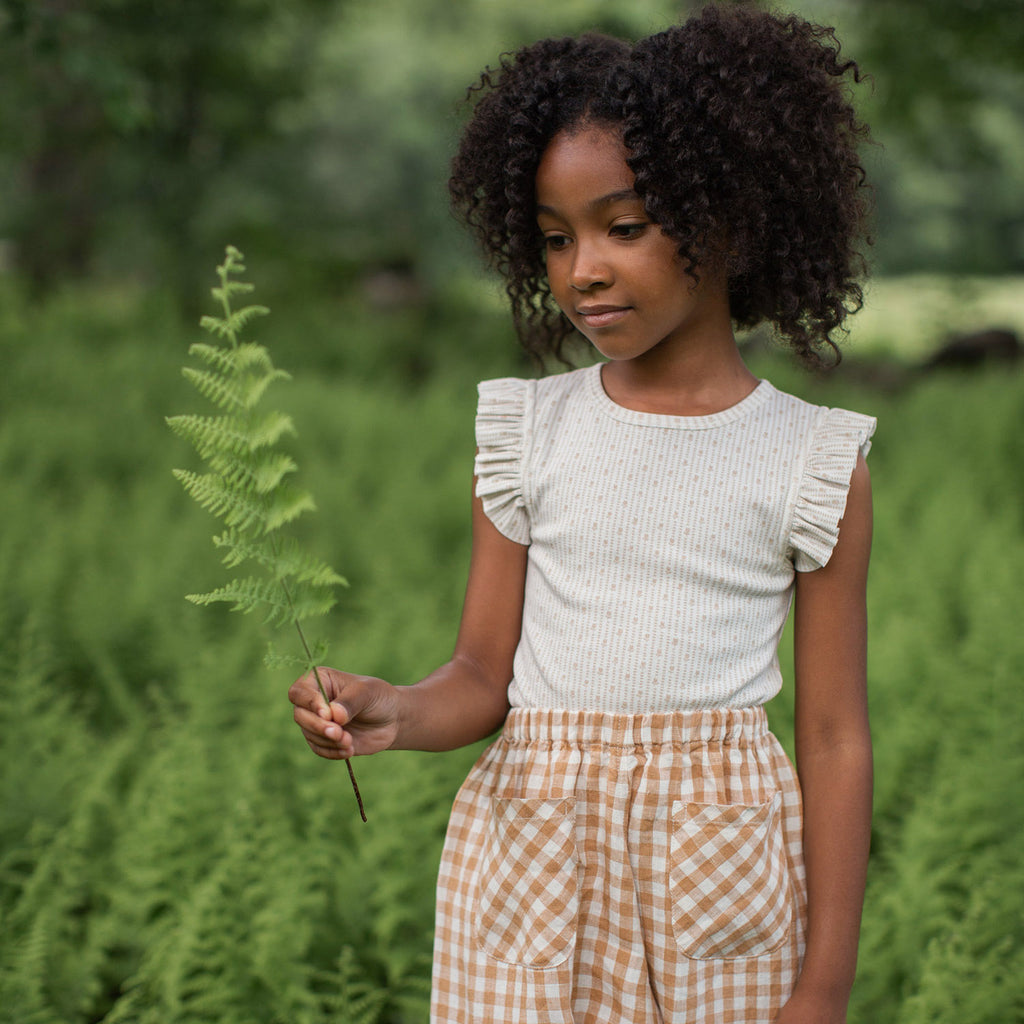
[611, 270]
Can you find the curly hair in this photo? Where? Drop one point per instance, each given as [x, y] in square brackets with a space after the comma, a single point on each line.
[742, 139]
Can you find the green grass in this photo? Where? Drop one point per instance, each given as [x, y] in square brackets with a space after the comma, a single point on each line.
[169, 849]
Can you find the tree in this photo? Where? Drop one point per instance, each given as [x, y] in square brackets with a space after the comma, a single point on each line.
[136, 108]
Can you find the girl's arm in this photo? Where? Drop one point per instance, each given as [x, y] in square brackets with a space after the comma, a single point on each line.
[461, 702]
[833, 753]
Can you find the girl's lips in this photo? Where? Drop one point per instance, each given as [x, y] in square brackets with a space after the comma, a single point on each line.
[601, 316]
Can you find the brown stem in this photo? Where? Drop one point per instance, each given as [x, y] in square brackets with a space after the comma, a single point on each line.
[323, 693]
[348, 762]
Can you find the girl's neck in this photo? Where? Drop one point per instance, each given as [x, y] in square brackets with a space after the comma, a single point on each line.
[697, 382]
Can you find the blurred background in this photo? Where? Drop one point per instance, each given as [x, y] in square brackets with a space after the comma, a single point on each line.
[169, 849]
[138, 135]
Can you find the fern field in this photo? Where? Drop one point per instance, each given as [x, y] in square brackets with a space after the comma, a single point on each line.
[170, 851]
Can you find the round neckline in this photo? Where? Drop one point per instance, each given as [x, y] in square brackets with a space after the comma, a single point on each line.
[743, 407]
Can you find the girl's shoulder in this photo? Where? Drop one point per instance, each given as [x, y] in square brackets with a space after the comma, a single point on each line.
[514, 402]
[829, 440]
[824, 425]
[551, 385]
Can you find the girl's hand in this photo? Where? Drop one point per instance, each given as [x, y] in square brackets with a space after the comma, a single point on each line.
[362, 717]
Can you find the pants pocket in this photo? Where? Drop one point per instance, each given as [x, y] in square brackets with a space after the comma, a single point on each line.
[527, 894]
[729, 880]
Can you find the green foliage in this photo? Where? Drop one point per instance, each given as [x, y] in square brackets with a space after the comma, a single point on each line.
[246, 484]
[121, 114]
[134, 136]
[171, 852]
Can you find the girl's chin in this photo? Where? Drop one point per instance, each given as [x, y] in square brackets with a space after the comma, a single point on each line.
[618, 353]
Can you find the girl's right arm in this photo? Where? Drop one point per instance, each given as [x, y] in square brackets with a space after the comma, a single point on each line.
[463, 701]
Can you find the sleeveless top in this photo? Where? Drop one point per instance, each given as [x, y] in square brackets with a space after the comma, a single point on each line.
[662, 549]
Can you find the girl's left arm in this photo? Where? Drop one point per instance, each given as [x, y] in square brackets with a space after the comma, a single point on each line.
[834, 763]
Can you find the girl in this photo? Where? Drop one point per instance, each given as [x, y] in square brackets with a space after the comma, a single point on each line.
[635, 846]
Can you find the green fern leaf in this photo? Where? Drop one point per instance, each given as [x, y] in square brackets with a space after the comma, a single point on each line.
[241, 547]
[246, 482]
[234, 324]
[238, 392]
[241, 318]
[297, 564]
[286, 504]
[224, 392]
[211, 434]
[259, 472]
[245, 356]
[237, 508]
[247, 595]
[268, 430]
[289, 562]
[229, 288]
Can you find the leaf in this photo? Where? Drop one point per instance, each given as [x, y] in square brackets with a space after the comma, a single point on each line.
[246, 482]
[251, 594]
[246, 356]
[258, 472]
[213, 493]
[210, 434]
[286, 504]
[233, 325]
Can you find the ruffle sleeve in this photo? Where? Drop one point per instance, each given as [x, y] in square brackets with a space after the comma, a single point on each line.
[821, 499]
[503, 427]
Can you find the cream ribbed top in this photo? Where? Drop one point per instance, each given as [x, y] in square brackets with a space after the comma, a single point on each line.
[662, 548]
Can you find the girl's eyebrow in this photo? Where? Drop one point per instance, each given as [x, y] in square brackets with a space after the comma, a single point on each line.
[595, 204]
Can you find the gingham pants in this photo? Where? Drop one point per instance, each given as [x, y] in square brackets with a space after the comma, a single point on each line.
[603, 869]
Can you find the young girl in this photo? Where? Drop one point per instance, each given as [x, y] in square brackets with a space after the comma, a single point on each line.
[635, 846]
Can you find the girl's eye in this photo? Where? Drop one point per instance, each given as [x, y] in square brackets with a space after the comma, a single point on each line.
[554, 243]
[632, 230]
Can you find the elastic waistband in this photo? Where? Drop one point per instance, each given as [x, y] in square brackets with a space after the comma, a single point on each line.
[724, 725]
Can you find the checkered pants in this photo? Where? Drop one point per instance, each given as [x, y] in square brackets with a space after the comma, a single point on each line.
[603, 869]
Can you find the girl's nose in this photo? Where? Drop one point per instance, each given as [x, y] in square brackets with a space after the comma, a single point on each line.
[589, 270]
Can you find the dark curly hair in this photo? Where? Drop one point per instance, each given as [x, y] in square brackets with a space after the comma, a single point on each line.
[743, 142]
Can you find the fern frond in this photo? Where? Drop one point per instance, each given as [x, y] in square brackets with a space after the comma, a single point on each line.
[252, 387]
[252, 472]
[230, 326]
[236, 392]
[247, 595]
[212, 434]
[309, 604]
[294, 563]
[275, 659]
[286, 504]
[279, 605]
[247, 356]
[246, 485]
[223, 391]
[242, 547]
[268, 430]
[215, 495]
[230, 288]
[288, 562]
[349, 997]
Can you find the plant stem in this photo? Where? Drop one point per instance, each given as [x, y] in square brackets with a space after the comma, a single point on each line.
[323, 693]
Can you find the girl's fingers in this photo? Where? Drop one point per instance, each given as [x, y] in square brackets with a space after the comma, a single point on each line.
[325, 730]
[334, 747]
[304, 696]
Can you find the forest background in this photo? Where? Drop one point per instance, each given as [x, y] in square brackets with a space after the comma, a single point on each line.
[169, 849]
